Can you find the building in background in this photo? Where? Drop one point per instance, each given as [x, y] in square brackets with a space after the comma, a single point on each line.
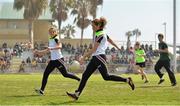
[14, 28]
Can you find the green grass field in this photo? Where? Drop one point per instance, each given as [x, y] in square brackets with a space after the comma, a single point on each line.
[18, 89]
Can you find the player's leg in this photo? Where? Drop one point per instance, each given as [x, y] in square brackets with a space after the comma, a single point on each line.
[91, 67]
[142, 66]
[138, 70]
[157, 68]
[106, 76]
[170, 73]
[144, 75]
[50, 67]
[62, 68]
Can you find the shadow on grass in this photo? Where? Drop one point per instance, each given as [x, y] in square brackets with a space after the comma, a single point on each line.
[155, 86]
[67, 102]
[22, 96]
[34, 95]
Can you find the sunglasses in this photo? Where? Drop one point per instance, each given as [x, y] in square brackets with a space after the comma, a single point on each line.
[95, 23]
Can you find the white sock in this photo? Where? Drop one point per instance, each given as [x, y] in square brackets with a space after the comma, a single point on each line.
[127, 80]
[77, 93]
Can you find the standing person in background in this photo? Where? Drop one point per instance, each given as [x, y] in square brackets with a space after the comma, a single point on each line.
[56, 60]
[140, 61]
[98, 60]
[164, 61]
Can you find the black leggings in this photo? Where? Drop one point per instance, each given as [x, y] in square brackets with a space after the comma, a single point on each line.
[61, 67]
[166, 65]
[98, 62]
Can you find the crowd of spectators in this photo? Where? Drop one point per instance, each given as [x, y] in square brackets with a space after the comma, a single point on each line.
[70, 52]
[5, 57]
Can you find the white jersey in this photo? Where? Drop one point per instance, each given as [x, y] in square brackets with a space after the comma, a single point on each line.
[102, 39]
[55, 54]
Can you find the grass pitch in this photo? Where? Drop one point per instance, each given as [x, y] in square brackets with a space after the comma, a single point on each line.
[18, 89]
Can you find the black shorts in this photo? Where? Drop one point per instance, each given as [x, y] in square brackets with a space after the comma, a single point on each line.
[142, 65]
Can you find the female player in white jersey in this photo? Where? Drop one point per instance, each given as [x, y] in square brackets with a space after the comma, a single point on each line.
[98, 60]
[57, 60]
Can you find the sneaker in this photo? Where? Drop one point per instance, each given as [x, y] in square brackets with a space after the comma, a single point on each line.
[72, 95]
[39, 92]
[131, 84]
[173, 84]
[161, 81]
[146, 81]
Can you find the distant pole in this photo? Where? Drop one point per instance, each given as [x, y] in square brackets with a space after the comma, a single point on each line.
[174, 34]
[155, 40]
[165, 30]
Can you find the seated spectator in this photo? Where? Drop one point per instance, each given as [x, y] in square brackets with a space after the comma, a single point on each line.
[8, 64]
[4, 45]
[34, 63]
[22, 66]
[28, 60]
[2, 64]
[2, 54]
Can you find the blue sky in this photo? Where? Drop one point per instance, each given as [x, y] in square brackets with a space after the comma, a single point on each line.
[146, 15]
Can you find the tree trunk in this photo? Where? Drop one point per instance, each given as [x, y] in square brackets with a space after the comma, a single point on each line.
[31, 33]
[93, 39]
[128, 43]
[59, 17]
[136, 37]
[82, 32]
[93, 36]
[59, 27]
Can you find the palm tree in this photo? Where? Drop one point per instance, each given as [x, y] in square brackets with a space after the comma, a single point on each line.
[68, 31]
[137, 33]
[32, 10]
[94, 7]
[129, 34]
[81, 11]
[60, 9]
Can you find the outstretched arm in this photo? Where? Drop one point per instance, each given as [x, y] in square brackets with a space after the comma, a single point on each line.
[89, 53]
[112, 42]
[41, 52]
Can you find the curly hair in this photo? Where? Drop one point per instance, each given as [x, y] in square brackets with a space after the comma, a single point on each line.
[100, 22]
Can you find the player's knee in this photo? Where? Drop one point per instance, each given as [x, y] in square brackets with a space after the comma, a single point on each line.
[156, 68]
[65, 74]
[84, 75]
[106, 78]
[45, 76]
